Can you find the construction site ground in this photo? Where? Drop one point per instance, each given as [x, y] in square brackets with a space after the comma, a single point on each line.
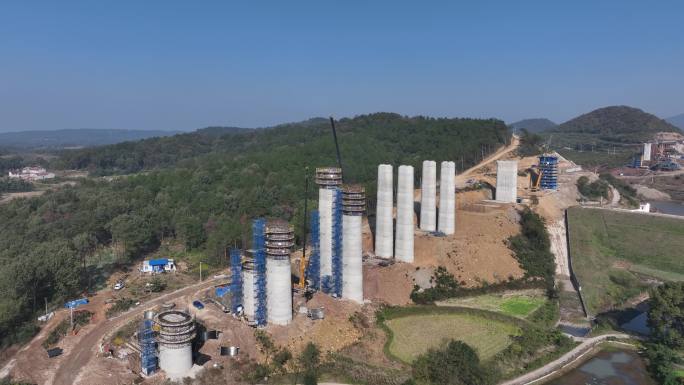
[476, 253]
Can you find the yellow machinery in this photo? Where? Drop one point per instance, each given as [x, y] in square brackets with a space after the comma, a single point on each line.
[535, 179]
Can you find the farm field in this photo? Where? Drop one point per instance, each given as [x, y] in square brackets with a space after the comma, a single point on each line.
[518, 304]
[415, 334]
[613, 251]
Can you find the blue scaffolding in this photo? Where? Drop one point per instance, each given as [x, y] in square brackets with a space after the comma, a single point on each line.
[548, 165]
[337, 243]
[259, 247]
[235, 280]
[313, 268]
[148, 348]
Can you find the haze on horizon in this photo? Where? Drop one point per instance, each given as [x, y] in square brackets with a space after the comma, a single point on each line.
[179, 66]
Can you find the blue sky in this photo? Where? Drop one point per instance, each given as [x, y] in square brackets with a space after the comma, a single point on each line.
[184, 65]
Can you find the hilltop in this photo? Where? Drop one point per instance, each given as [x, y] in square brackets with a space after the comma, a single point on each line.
[677, 121]
[617, 124]
[533, 125]
[82, 137]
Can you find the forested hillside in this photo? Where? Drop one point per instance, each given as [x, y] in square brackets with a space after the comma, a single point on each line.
[79, 137]
[217, 183]
[620, 124]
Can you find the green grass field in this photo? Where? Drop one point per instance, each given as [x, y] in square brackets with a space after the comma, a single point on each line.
[518, 304]
[611, 250]
[415, 334]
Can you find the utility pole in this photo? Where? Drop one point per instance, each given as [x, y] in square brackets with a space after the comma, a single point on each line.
[45, 307]
[71, 312]
[200, 271]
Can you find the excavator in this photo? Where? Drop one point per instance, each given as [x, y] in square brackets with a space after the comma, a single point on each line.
[535, 178]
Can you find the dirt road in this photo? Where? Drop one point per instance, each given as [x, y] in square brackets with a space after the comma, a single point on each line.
[77, 359]
[462, 177]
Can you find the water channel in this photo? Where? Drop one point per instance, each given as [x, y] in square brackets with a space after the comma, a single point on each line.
[608, 367]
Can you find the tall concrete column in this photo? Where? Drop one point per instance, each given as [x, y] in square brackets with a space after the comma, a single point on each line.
[384, 227]
[506, 180]
[405, 225]
[447, 198]
[428, 194]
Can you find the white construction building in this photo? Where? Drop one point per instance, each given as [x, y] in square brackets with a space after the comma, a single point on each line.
[428, 196]
[384, 222]
[447, 198]
[354, 200]
[405, 225]
[506, 180]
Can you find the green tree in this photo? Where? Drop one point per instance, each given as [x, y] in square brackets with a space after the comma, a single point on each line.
[454, 364]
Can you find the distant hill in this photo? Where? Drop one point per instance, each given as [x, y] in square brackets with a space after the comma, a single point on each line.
[677, 121]
[85, 137]
[616, 124]
[533, 125]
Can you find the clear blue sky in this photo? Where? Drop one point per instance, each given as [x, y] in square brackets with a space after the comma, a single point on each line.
[185, 65]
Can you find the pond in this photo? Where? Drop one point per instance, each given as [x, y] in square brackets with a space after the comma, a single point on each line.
[669, 207]
[608, 367]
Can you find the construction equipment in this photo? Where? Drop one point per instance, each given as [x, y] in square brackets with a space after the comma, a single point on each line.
[304, 261]
[535, 179]
[301, 285]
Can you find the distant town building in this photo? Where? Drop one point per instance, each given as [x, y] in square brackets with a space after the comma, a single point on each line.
[31, 174]
[161, 265]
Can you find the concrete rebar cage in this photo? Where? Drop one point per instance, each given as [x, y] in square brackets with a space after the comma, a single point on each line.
[506, 180]
[279, 244]
[328, 179]
[175, 337]
[354, 206]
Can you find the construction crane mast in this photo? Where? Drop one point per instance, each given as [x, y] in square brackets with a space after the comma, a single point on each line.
[305, 261]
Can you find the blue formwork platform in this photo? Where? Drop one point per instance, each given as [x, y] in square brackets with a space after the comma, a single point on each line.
[259, 246]
[235, 280]
[548, 165]
[313, 269]
[148, 348]
[337, 243]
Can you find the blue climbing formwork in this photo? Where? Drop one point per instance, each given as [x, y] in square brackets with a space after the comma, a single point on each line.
[148, 348]
[259, 247]
[235, 280]
[548, 165]
[313, 268]
[337, 243]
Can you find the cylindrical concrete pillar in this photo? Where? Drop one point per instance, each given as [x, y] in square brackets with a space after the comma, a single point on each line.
[428, 194]
[384, 228]
[447, 198]
[279, 291]
[248, 294]
[352, 258]
[405, 225]
[325, 205]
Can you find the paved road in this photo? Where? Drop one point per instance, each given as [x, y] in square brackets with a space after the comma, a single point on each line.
[568, 358]
[87, 347]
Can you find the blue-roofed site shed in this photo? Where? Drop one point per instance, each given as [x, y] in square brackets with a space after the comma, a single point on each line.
[160, 265]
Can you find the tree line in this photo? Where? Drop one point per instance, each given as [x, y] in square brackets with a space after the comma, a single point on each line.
[201, 191]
